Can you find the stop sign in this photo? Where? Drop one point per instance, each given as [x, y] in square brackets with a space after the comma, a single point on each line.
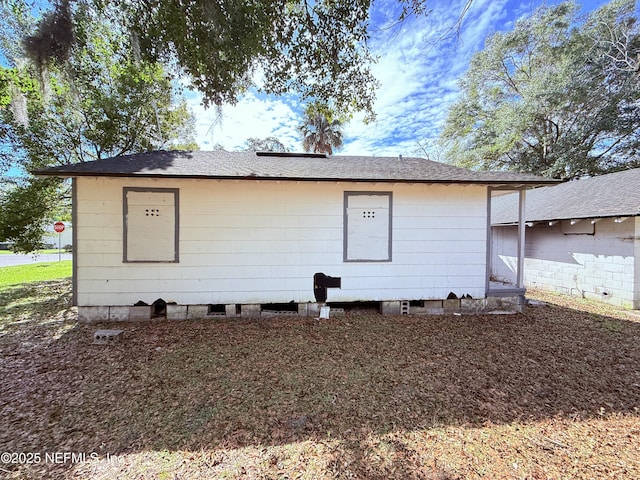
[58, 227]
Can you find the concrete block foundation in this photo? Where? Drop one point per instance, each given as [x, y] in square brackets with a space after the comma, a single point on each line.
[250, 311]
[197, 312]
[470, 306]
[451, 305]
[503, 304]
[140, 314]
[93, 314]
[176, 312]
[390, 308]
[118, 314]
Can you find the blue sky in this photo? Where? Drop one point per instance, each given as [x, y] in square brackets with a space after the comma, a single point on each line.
[418, 75]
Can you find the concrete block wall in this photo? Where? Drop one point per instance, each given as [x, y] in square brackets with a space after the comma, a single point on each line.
[603, 266]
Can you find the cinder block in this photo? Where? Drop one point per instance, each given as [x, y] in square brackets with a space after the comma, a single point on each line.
[313, 309]
[432, 304]
[230, 310]
[105, 337]
[424, 306]
[176, 312]
[141, 313]
[250, 311]
[503, 304]
[452, 304]
[93, 314]
[405, 307]
[472, 305]
[118, 314]
[276, 313]
[197, 312]
[390, 308]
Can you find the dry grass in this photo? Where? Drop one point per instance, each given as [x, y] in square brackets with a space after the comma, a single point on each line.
[551, 393]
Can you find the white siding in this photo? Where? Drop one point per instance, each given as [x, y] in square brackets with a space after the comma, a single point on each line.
[600, 266]
[262, 242]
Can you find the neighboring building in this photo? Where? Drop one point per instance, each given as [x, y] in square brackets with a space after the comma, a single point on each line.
[222, 232]
[583, 238]
[51, 239]
[64, 239]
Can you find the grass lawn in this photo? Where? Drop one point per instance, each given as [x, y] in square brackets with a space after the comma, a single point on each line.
[39, 252]
[550, 393]
[34, 272]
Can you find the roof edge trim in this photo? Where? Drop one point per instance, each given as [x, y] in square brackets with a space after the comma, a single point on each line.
[510, 183]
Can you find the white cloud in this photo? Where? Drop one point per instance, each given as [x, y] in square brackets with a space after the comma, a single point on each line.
[252, 116]
[420, 63]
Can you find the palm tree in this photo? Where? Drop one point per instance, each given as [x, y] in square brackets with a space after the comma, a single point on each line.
[319, 133]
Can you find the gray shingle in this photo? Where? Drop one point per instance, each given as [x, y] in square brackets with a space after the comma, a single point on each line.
[612, 195]
[249, 165]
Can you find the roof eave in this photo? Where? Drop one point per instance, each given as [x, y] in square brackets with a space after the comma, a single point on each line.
[508, 183]
[564, 219]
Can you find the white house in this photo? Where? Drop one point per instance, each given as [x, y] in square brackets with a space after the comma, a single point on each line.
[583, 238]
[233, 233]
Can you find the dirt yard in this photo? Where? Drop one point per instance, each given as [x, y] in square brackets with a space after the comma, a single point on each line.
[551, 393]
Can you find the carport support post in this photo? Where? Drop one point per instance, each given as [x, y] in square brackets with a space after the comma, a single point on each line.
[636, 265]
[522, 225]
[521, 236]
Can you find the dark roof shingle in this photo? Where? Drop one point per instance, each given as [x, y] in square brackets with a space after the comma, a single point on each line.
[249, 165]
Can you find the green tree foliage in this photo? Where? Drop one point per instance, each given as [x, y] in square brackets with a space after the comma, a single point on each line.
[97, 100]
[320, 130]
[315, 48]
[269, 144]
[555, 96]
[17, 223]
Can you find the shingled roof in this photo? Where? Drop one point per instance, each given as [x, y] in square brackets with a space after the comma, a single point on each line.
[278, 166]
[612, 195]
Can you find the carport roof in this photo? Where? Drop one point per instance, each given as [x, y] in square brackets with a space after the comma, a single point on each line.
[612, 195]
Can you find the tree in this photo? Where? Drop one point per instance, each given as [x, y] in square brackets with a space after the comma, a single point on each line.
[318, 49]
[24, 229]
[320, 131]
[99, 101]
[550, 97]
[269, 144]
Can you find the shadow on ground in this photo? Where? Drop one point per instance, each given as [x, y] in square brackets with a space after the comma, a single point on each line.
[234, 383]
